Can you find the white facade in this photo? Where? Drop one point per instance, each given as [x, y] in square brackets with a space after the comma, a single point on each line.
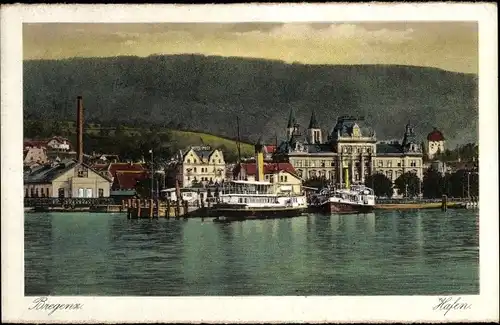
[201, 164]
[433, 147]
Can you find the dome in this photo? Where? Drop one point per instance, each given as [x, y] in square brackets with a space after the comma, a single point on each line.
[435, 135]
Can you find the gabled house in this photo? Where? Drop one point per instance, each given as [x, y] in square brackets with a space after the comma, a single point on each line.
[282, 173]
[67, 178]
[200, 165]
[124, 176]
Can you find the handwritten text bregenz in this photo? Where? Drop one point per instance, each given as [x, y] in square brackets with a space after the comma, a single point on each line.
[43, 303]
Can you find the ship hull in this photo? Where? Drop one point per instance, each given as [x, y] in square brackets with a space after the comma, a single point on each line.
[337, 208]
[227, 214]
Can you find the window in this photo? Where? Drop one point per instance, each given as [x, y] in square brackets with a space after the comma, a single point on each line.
[389, 163]
[194, 169]
[26, 193]
[286, 178]
[60, 192]
[380, 163]
[101, 192]
[189, 161]
[47, 192]
[332, 164]
[399, 164]
[36, 192]
[220, 161]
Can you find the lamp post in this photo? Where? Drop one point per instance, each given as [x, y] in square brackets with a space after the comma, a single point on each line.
[152, 174]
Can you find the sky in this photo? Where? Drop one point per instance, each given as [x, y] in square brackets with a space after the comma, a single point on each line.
[451, 46]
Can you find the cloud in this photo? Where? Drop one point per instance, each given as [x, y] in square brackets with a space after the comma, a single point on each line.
[333, 32]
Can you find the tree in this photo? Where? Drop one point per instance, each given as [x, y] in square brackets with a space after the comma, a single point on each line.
[120, 131]
[433, 184]
[143, 188]
[37, 129]
[408, 184]
[461, 182]
[381, 185]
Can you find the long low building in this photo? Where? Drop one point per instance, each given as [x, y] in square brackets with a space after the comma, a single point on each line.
[67, 178]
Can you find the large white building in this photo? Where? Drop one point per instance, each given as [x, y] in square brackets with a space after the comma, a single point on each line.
[350, 149]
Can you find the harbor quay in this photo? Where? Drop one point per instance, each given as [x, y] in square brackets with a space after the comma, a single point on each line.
[349, 155]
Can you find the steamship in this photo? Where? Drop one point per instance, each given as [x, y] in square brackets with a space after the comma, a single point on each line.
[240, 200]
[351, 199]
[259, 199]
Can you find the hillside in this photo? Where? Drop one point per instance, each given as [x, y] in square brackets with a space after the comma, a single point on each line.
[98, 138]
[206, 93]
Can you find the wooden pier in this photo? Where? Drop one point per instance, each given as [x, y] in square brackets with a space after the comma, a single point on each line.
[149, 208]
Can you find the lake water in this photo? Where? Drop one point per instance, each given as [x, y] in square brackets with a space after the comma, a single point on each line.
[383, 253]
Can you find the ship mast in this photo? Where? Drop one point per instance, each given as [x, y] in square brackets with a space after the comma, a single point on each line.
[238, 146]
[238, 139]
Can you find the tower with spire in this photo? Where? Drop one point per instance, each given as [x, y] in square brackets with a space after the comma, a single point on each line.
[409, 143]
[292, 126]
[313, 130]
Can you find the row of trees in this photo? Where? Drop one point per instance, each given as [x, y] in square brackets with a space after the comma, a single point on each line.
[461, 183]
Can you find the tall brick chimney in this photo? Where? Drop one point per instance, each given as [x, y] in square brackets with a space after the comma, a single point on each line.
[79, 129]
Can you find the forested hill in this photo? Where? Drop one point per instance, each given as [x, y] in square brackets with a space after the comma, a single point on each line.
[207, 93]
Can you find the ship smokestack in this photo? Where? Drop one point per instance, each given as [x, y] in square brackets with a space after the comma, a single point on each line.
[79, 129]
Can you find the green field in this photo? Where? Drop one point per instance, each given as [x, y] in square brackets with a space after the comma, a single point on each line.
[178, 138]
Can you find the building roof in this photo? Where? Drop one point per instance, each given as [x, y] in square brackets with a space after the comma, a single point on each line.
[42, 143]
[435, 135]
[47, 173]
[345, 125]
[35, 143]
[270, 148]
[129, 167]
[313, 123]
[126, 180]
[201, 151]
[389, 148]
[291, 120]
[269, 168]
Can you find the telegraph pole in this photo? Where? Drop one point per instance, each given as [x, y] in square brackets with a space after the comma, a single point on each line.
[152, 174]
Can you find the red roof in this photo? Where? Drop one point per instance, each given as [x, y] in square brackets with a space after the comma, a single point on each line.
[129, 167]
[270, 148]
[35, 143]
[435, 135]
[128, 180]
[251, 168]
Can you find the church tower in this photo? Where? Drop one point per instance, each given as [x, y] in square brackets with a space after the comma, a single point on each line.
[313, 131]
[291, 127]
[409, 140]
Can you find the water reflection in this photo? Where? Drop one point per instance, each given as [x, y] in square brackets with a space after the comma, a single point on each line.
[426, 252]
